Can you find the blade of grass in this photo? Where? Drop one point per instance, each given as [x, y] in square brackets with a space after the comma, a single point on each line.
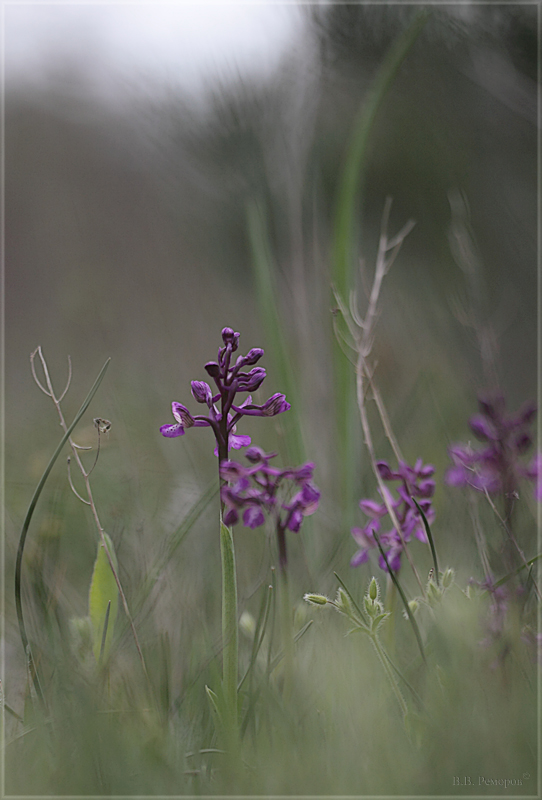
[410, 615]
[516, 571]
[273, 325]
[280, 655]
[259, 633]
[430, 537]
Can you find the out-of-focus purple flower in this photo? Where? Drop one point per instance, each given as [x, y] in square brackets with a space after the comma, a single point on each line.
[258, 490]
[223, 412]
[496, 467]
[415, 482]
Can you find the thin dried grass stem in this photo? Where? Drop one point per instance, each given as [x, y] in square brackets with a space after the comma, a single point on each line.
[369, 444]
[365, 343]
[74, 490]
[91, 503]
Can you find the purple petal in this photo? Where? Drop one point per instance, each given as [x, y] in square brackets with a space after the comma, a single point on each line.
[302, 473]
[482, 428]
[253, 517]
[426, 488]
[231, 470]
[231, 517]
[182, 415]
[252, 380]
[256, 455]
[523, 442]
[201, 392]
[212, 369]
[461, 454]
[361, 557]
[254, 355]
[393, 557]
[364, 536]
[385, 472]
[491, 406]
[275, 405]
[456, 476]
[427, 471]
[372, 508]
[296, 518]
[527, 413]
[172, 430]
[239, 441]
[310, 497]
[230, 337]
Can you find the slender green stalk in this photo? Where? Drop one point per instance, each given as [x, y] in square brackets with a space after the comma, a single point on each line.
[394, 578]
[287, 630]
[430, 537]
[273, 324]
[229, 625]
[389, 673]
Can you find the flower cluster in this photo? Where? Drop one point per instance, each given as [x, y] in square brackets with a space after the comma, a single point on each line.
[229, 380]
[254, 490]
[414, 482]
[496, 468]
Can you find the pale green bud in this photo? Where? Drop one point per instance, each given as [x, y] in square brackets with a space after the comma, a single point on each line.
[316, 599]
[373, 589]
[448, 577]
[369, 605]
[343, 602]
[434, 594]
[247, 624]
[413, 605]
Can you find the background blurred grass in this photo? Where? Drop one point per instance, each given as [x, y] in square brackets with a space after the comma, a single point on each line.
[127, 237]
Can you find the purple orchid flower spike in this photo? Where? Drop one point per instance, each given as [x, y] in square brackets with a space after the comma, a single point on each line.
[255, 491]
[223, 413]
[415, 482]
[496, 467]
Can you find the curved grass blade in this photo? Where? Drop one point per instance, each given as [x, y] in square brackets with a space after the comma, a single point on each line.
[351, 177]
[273, 326]
[22, 539]
[430, 537]
[510, 575]
[280, 655]
[259, 633]
[403, 597]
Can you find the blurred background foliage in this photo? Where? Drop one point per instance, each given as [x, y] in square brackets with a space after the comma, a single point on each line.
[127, 236]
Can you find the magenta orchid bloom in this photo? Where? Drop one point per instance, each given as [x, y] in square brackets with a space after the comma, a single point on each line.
[224, 414]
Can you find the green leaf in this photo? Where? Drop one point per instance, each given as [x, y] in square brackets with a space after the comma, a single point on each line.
[430, 539]
[103, 601]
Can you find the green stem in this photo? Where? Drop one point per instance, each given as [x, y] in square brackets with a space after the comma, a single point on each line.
[287, 633]
[229, 625]
[389, 674]
[391, 605]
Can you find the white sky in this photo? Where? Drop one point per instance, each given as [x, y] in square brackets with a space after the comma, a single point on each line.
[183, 42]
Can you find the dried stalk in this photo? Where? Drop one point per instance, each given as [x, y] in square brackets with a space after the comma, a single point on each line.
[75, 448]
